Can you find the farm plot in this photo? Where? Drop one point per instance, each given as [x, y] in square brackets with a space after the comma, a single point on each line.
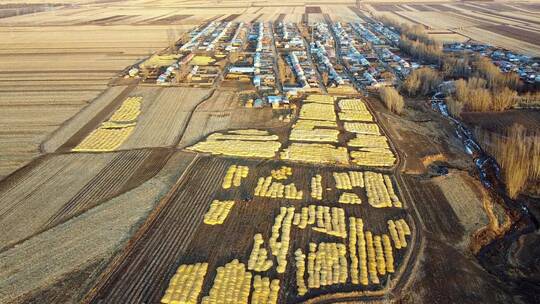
[60, 187]
[39, 265]
[272, 248]
[164, 119]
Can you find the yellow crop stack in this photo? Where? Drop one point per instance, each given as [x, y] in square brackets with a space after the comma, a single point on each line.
[252, 144]
[249, 132]
[318, 111]
[402, 231]
[352, 104]
[355, 116]
[300, 262]
[354, 110]
[342, 180]
[316, 187]
[234, 176]
[160, 60]
[186, 284]
[379, 255]
[316, 135]
[113, 132]
[362, 128]
[103, 140]
[318, 98]
[218, 212]
[357, 250]
[373, 158]
[372, 262]
[264, 291]
[316, 153]
[331, 221]
[304, 124]
[388, 253]
[349, 198]
[258, 259]
[357, 178]
[380, 191]
[266, 188]
[128, 111]
[282, 173]
[394, 234]
[231, 285]
[307, 216]
[327, 264]
[282, 222]
[369, 141]
[202, 60]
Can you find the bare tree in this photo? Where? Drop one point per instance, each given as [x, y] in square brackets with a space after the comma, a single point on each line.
[392, 99]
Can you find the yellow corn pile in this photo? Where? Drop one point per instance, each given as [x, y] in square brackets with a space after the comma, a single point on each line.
[266, 188]
[318, 98]
[372, 262]
[316, 187]
[222, 136]
[316, 135]
[355, 116]
[249, 132]
[369, 141]
[186, 284]
[352, 104]
[316, 153]
[357, 251]
[281, 230]
[318, 111]
[231, 285]
[128, 111]
[234, 176]
[264, 291]
[349, 198]
[300, 262]
[304, 124]
[388, 253]
[362, 128]
[202, 60]
[102, 140]
[357, 178]
[380, 191]
[373, 157]
[160, 60]
[282, 173]
[218, 212]
[258, 259]
[331, 221]
[395, 235]
[342, 180]
[327, 264]
[257, 146]
[307, 216]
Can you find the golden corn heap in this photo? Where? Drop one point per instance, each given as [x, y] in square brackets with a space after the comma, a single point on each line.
[315, 153]
[354, 110]
[186, 284]
[113, 132]
[258, 259]
[398, 230]
[316, 187]
[304, 124]
[318, 111]
[249, 132]
[218, 212]
[373, 157]
[234, 175]
[371, 255]
[327, 264]
[128, 111]
[348, 180]
[369, 141]
[349, 198]
[316, 135]
[325, 219]
[267, 188]
[319, 98]
[300, 263]
[241, 144]
[160, 60]
[202, 60]
[281, 230]
[380, 190]
[264, 290]
[307, 216]
[282, 173]
[362, 128]
[231, 285]
[101, 140]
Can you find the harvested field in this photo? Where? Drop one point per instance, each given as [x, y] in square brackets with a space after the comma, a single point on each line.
[188, 242]
[40, 262]
[498, 121]
[532, 37]
[313, 10]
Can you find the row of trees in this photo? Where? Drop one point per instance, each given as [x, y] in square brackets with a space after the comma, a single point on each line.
[518, 152]
[421, 82]
[392, 99]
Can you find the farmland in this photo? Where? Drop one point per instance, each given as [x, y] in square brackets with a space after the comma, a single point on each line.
[239, 152]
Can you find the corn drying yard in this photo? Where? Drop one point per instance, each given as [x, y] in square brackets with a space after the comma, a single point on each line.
[226, 152]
